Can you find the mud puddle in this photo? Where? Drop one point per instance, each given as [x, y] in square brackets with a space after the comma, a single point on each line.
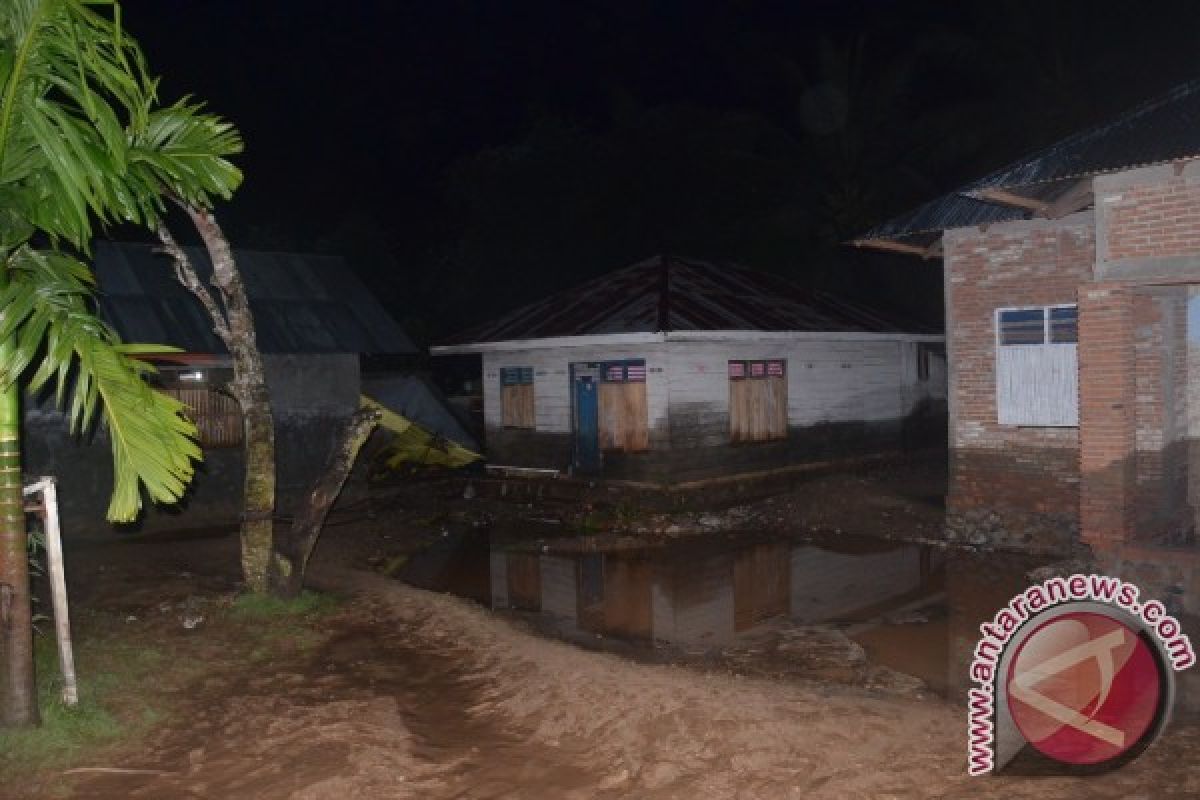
[751, 602]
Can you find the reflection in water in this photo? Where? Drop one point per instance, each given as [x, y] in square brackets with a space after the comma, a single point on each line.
[913, 607]
[704, 589]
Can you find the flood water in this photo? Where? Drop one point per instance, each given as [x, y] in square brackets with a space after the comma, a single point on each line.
[914, 608]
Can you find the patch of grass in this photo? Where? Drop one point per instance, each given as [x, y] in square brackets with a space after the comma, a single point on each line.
[282, 627]
[66, 731]
[307, 604]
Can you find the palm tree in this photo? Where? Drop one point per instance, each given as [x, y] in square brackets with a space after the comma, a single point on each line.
[82, 143]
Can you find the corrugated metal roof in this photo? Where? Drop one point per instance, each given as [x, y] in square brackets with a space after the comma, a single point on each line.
[668, 293]
[1161, 130]
[948, 211]
[302, 303]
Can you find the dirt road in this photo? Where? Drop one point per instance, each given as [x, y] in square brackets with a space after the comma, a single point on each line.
[425, 695]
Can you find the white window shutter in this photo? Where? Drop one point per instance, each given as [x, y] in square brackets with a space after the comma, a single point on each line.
[1038, 385]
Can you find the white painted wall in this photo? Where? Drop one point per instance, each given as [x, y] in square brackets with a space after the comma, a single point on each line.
[552, 381]
[830, 381]
[838, 380]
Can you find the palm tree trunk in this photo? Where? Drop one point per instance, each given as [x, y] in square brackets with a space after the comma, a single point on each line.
[18, 697]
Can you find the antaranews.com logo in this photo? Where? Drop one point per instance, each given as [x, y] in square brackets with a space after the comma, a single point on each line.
[1074, 675]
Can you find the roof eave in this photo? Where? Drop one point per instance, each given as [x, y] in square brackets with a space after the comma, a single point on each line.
[679, 336]
[548, 342]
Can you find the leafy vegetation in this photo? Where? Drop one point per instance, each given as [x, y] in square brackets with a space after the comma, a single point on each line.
[84, 142]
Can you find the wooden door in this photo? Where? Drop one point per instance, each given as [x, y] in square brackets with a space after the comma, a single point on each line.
[623, 417]
[757, 401]
[586, 418]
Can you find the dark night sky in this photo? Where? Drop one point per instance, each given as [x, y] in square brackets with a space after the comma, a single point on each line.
[467, 156]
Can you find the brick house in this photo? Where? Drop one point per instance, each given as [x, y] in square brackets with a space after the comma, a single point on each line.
[1073, 338]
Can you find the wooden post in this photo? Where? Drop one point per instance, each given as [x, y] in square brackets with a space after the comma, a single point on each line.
[58, 587]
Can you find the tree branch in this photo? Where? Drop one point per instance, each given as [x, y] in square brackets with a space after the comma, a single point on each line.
[187, 276]
[291, 555]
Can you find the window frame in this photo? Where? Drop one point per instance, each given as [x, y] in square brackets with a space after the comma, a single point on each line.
[1047, 341]
[1045, 309]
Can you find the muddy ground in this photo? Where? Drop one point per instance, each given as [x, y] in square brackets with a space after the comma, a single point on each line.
[400, 693]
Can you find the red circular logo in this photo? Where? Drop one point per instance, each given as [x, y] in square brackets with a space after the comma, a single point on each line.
[1084, 688]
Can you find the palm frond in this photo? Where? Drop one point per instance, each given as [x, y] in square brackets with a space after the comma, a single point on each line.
[72, 85]
[185, 150]
[46, 310]
[81, 136]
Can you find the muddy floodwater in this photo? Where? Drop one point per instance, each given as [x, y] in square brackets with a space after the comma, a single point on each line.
[741, 599]
[733, 666]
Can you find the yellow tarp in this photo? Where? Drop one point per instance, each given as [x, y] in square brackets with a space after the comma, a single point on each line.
[412, 444]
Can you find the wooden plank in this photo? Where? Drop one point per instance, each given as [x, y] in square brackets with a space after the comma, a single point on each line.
[1006, 198]
[777, 407]
[1076, 198]
[740, 426]
[517, 406]
[758, 409]
[893, 246]
[525, 406]
[508, 406]
[622, 411]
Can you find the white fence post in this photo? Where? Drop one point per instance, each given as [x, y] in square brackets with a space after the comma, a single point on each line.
[58, 586]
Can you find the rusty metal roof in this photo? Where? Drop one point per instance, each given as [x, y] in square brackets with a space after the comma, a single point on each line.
[1161, 130]
[302, 303]
[669, 293]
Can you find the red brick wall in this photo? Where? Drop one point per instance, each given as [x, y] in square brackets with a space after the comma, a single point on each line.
[1157, 219]
[1107, 410]
[1014, 264]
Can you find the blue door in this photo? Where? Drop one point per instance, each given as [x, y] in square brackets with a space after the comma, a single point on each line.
[587, 431]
